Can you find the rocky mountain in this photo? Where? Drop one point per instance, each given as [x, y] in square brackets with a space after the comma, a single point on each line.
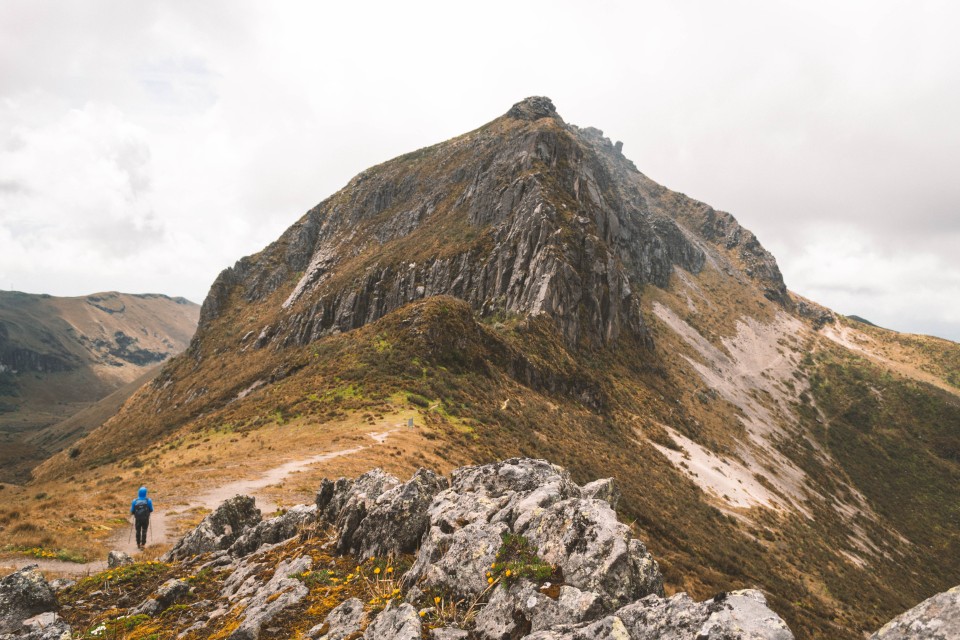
[503, 551]
[61, 355]
[524, 290]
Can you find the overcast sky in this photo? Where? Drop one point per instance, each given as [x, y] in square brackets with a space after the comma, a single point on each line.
[145, 146]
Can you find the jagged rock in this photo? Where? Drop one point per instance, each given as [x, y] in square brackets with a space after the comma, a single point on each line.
[533, 108]
[457, 562]
[538, 500]
[523, 608]
[218, 530]
[604, 489]
[331, 497]
[345, 504]
[274, 530]
[400, 623]
[166, 595]
[569, 230]
[45, 626]
[595, 550]
[398, 519]
[344, 620]
[936, 618]
[24, 594]
[738, 615]
[118, 558]
[280, 593]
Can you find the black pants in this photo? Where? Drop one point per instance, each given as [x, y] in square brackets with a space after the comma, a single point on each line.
[142, 525]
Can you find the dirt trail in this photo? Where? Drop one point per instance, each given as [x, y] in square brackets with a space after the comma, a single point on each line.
[163, 520]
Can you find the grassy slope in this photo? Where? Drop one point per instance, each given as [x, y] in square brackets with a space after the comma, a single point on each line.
[488, 398]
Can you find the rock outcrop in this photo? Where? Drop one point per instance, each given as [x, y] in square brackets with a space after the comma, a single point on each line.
[24, 594]
[28, 608]
[936, 618]
[508, 550]
[218, 530]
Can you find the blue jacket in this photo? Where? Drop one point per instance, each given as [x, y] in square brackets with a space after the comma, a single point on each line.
[142, 495]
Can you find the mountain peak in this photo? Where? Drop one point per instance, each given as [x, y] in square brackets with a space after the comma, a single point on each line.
[534, 108]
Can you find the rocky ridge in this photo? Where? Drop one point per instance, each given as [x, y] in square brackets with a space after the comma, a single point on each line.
[593, 578]
[502, 551]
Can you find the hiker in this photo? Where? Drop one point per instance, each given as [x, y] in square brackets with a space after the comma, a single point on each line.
[141, 508]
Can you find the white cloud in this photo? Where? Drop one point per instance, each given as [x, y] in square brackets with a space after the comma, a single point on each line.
[146, 147]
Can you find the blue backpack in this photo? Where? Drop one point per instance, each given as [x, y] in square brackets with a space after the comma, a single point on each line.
[141, 509]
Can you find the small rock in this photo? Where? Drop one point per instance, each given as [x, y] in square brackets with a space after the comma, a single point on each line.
[448, 633]
[118, 558]
[165, 596]
[45, 626]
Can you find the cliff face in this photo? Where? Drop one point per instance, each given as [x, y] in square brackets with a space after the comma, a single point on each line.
[527, 215]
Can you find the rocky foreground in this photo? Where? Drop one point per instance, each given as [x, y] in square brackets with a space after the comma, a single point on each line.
[502, 551]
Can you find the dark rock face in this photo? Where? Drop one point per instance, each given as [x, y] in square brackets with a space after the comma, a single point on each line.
[527, 215]
[24, 594]
[936, 618]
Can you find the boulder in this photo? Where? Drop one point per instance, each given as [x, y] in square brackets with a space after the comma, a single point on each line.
[398, 518]
[162, 598]
[278, 594]
[344, 620]
[345, 504]
[24, 594]
[457, 562]
[45, 626]
[218, 530]
[596, 551]
[571, 527]
[274, 530]
[738, 615]
[118, 558]
[524, 608]
[936, 618]
[395, 623]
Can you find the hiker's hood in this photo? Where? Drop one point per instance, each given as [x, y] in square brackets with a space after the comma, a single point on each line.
[142, 493]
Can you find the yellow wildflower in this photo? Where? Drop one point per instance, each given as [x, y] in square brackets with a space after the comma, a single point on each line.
[377, 570]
